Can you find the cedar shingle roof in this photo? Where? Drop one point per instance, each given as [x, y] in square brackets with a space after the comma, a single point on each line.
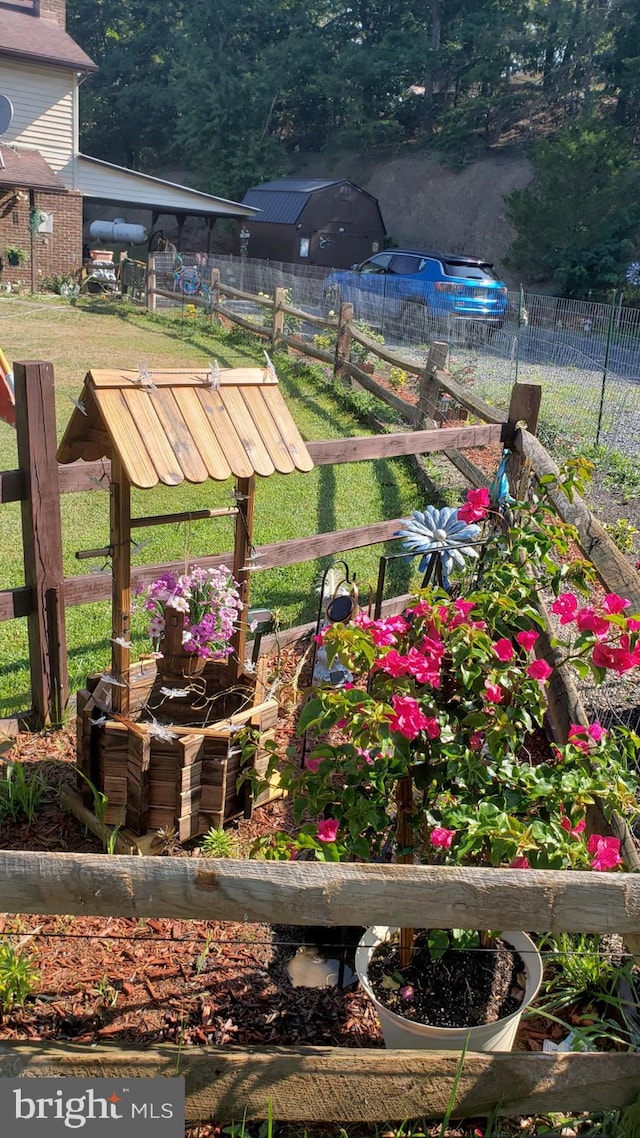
[178, 427]
[21, 167]
[29, 37]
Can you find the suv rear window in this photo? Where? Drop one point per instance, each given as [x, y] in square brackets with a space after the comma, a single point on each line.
[471, 272]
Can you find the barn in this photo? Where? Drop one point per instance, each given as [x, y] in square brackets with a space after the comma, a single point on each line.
[312, 221]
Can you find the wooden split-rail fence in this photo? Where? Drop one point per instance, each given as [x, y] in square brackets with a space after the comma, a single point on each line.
[306, 1084]
[39, 481]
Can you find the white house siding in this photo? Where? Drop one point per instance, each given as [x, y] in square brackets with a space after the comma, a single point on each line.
[98, 179]
[44, 105]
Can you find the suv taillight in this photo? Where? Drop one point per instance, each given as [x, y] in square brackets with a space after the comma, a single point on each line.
[443, 286]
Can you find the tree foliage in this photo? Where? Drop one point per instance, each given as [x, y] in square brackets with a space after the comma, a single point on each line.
[576, 224]
[232, 91]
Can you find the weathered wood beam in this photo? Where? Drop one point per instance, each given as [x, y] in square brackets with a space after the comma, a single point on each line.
[316, 894]
[12, 486]
[15, 602]
[42, 539]
[612, 567]
[331, 1084]
[362, 448]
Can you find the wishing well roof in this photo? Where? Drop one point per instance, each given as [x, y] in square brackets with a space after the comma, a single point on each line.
[187, 425]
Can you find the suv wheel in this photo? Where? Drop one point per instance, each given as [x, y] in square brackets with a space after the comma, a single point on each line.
[417, 325]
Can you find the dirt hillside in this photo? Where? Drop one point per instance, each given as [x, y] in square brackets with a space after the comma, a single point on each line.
[427, 203]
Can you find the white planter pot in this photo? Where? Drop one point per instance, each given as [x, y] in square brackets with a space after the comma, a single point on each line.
[403, 1033]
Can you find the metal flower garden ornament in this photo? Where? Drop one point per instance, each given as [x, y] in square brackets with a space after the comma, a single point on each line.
[444, 534]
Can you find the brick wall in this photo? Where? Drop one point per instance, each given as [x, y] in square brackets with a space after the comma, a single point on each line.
[57, 252]
[56, 9]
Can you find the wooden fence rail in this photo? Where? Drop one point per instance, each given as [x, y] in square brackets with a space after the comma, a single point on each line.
[319, 1083]
[312, 893]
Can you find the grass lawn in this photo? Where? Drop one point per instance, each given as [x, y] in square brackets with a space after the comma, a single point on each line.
[107, 334]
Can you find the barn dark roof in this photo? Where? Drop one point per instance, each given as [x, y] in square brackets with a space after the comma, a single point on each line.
[27, 36]
[284, 200]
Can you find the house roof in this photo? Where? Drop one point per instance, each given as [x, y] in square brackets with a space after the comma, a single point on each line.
[24, 35]
[22, 167]
[104, 181]
[177, 426]
[283, 200]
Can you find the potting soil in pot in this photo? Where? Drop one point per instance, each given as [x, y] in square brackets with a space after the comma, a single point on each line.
[459, 989]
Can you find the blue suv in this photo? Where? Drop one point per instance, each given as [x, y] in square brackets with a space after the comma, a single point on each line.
[419, 289]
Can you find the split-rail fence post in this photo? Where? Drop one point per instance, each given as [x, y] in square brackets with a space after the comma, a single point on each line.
[214, 284]
[42, 539]
[343, 341]
[151, 284]
[429, 390]
[524, 409]
[277, 327]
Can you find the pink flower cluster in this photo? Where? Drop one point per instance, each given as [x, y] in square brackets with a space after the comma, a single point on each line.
[476, 507]
[621, 656]
[409, 720]
[210, 601]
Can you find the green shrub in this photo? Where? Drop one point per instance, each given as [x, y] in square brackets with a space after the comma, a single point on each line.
[20, 793]
[218, 843]
[18, 977]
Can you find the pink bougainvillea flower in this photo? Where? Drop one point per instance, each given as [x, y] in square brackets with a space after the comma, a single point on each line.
[495, 693]
[578, 738]
[408, 719]
[476, 741]
[588, 620]
[432, 727]
[328, 830]
[527, 639]
[384, 633]
[442, 838]
[319, 638]
[576, 830]
[605, 851]
[597, 732]
[365, 755]
[312, 764]
[612, 603]
[503, 649]
[618, 660]
[566, 607]
[633, 624]
[520, 862]
[539, 670]
[463, 606]
[476, 506]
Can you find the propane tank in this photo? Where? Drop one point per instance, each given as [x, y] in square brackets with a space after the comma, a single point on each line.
[118, 230]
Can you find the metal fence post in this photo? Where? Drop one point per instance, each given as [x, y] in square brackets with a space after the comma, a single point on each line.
[606, 364]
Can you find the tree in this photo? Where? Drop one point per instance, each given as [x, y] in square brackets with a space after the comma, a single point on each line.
[576, 226]
[127, 109]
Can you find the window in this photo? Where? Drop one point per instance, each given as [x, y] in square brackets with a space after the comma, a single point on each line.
[482, 272]
[406, 264]
[304, 247]
[378, 264]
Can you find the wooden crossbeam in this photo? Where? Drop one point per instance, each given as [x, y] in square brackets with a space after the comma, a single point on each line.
[330, 1084]
[443, 896]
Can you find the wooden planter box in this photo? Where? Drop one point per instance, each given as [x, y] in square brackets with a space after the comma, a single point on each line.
[186, 782]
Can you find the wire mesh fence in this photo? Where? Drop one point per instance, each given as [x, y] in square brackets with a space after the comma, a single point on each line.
[586, 355]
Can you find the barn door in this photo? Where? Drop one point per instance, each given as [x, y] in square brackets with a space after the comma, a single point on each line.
[337, 250]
